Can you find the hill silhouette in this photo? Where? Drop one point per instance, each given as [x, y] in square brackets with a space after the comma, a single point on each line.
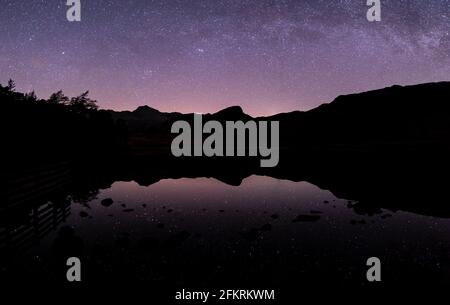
[386, 119]
[393, 118]
[410, 115]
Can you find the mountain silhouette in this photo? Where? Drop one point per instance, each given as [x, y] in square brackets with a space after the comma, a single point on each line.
[233, 113]
[397, 115]
[414, 114]
[397, 118]
[144, 117]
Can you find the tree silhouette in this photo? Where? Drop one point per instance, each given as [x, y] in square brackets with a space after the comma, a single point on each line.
[11, 85]
[57, 127]
[31, 97]
[83, 103]
[58, 98]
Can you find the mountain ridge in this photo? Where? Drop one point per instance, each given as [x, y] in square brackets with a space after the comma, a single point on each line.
[238, 109]
[415, 113]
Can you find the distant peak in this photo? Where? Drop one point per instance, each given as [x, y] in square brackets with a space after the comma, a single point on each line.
[232, 109]
[145, 108]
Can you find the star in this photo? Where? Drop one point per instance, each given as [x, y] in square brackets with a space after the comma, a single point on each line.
[266, 56]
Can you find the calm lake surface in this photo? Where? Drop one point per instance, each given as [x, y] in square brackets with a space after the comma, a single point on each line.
[204, 232]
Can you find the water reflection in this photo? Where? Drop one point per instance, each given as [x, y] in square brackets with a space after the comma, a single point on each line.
[265, 231]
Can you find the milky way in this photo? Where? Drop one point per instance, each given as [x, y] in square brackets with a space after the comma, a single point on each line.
[267, 56]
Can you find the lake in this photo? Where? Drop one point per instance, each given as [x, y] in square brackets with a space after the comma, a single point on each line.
[265, 232]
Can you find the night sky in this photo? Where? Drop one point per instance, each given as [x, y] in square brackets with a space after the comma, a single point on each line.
[201, 56]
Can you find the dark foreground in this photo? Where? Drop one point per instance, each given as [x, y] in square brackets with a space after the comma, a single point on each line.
[173, 224]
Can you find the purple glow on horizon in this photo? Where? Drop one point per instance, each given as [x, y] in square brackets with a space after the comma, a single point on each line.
[202, 56]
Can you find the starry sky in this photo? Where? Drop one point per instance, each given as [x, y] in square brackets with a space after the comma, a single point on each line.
[267, 56]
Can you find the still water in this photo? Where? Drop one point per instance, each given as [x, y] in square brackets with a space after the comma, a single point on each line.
[201, 231]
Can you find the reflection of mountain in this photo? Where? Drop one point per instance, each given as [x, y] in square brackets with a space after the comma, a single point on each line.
[392, 185]
[381, 183]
